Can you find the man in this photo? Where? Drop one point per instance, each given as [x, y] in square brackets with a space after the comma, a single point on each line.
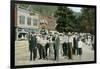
[56, 47]
[33, 47]
[75, 43]
[39, 46]
[93, 45]
[51, 44]
[64, 45]
[70, 40]
[64, 49]
[44, 32]
[43, 42]
[47, 46]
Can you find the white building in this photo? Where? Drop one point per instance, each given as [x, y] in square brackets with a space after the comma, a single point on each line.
[25, 21]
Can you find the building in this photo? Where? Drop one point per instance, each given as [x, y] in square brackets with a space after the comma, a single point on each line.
[25, 22]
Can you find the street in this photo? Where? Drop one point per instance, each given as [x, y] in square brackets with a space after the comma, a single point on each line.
[22, 55]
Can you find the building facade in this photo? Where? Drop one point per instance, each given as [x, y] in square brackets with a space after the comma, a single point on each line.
[25, 22]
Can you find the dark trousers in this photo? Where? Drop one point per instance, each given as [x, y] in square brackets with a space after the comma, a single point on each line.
[93, 47]
[33, 54]
[65, 50]
[79, 51]
[46, 48]
[56, 53]
[70, 50]
[44, 52]
[40, 50]
[74, 51]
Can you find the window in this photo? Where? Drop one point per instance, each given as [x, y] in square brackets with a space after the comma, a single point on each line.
[22, 19]
[29, 20]
[35, 21]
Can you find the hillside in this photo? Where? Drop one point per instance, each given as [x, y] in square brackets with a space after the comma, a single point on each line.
[43, 9]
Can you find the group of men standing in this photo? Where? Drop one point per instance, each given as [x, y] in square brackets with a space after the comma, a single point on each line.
[42, 44]
[71, 45]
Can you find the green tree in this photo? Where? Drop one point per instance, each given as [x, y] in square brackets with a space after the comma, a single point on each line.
[65, 19]
[88, 20]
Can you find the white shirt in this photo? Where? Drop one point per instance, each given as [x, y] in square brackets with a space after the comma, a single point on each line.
[43, 42]
[70, 39]
[80, 44]
[65, 39]
[38, 38]
[50, 39]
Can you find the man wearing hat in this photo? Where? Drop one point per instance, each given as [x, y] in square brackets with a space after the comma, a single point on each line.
[56, 47]
[75, 43]
[70, 39]
[33, 46]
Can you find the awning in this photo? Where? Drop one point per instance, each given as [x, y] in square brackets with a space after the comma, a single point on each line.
[23, 31]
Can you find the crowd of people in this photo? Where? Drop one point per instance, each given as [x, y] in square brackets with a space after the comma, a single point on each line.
[49, 45]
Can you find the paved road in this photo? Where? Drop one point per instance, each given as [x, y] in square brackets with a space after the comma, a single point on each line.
[22, 55]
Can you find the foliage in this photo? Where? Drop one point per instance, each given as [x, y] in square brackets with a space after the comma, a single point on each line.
[43, 9]
[65, 19]
[88, 20]
[68, 20]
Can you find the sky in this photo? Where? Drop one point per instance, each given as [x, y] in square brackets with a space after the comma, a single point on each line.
[76, 9]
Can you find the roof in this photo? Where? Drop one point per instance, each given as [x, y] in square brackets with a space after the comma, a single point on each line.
[27, 10]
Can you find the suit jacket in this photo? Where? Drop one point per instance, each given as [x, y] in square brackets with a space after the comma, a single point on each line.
[32, 43]
[75, 40]
[57, 44]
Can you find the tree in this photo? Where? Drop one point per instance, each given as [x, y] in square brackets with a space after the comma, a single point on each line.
[65, 19]
[88, 20]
